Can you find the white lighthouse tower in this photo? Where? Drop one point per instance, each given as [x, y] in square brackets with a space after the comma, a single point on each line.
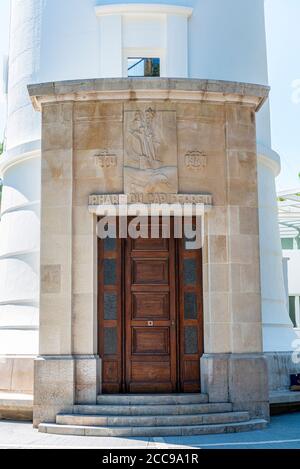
[54, 40]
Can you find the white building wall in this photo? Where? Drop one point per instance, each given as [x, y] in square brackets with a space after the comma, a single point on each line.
[293, 266]
[143, 30]
[59, 40]
[278, 330]
[241, 55]
[20, 166]
[49, 40]
[111, 57]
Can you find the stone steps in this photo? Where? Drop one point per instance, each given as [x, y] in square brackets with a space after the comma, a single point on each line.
[188, 430]
[151, 415]
[166, 409]
[150, 420]
[151, 399]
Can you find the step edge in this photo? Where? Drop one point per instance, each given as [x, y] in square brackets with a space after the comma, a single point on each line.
[140, 405]
[91, 427]
[154, 395]
[112, 406]
[99, 402]
[237, 413]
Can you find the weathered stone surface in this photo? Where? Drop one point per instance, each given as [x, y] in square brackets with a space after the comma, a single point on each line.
[51, 278]
[150, 150]
[149, 139]
[87, 378]
[280, 367]
[16, 374]
[172, 409]
[284, 397]
[16, 406]
[54, 387]
[168, 87]
[248, 384]
[214, 377]
[241, 379]
[254, 424]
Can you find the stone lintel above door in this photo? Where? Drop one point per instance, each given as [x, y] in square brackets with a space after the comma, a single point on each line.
[98, 204]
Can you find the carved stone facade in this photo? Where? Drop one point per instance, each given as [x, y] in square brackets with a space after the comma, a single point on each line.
[164, 139]
[195, 160]
[150, 149]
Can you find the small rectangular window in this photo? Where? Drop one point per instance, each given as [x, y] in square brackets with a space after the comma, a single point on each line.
[110, 272]
[143, 67]
[190, 271]
[110, 340]
[110, 244]
[190, 340]
[110, 306]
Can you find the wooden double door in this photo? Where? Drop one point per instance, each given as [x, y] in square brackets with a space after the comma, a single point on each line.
[150, 315]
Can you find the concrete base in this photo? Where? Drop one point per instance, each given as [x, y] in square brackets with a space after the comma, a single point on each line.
[241, 379]
[284, 397]
[60, 382]
[87, 378]
[16, 374]
[280, 367]
[282, 402]
[15, 406]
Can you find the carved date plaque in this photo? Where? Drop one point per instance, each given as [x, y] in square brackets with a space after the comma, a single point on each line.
[195, 160]
[105, 159]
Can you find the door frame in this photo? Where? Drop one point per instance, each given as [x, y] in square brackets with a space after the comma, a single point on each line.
[121, 315]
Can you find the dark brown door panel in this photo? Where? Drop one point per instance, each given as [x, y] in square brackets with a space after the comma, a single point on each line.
[150, 315]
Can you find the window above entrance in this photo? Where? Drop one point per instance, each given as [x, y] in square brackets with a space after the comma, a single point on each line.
[143, 67]
[156, 35]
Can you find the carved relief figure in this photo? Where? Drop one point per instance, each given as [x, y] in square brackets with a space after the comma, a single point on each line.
[151, 180]
[150, 152]
[143, 141]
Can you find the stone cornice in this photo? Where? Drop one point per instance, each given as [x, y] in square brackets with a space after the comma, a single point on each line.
[142, 9]
[148, 88]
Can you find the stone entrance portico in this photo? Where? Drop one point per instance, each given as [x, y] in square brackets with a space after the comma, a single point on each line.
[205, 150]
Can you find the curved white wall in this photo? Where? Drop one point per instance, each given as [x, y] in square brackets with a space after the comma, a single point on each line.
[19, 259]
[49, 40]
[278, 332]
[60, 40]
[242, 56]
[20, 168]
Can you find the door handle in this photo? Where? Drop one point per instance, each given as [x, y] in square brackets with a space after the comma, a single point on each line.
[150, 324]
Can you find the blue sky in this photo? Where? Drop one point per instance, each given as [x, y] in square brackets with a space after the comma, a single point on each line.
[283, 38]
